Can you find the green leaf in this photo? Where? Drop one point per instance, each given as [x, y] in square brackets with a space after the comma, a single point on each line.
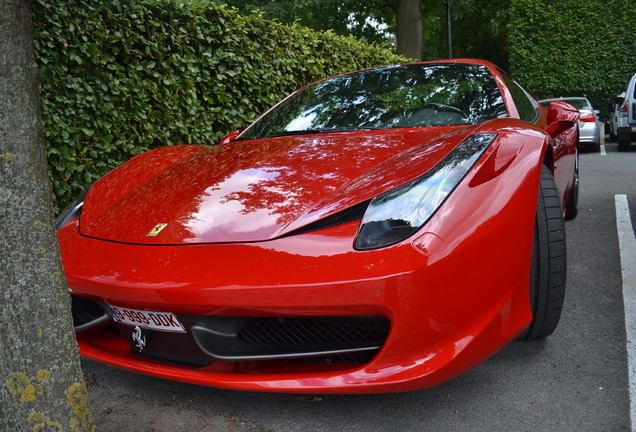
[125, 77]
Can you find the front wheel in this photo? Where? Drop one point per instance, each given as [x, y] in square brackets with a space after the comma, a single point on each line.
[549, 259]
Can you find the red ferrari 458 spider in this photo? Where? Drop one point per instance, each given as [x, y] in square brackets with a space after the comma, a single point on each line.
[382, 230]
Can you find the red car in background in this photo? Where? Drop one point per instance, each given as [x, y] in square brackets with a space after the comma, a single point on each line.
[382, 230]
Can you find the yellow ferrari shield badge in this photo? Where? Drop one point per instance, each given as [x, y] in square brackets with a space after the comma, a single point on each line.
[156, 230]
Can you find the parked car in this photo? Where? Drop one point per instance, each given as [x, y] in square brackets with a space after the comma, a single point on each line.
[589, 124]
[626, 128]
[382, 230]
[615, 115]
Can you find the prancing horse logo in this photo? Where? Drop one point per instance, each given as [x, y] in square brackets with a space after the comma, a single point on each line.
[139, 338]
[156, 230]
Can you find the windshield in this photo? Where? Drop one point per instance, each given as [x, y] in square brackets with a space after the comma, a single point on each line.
[580, 104]
[404, 96]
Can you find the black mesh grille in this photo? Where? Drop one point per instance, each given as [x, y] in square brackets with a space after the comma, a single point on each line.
[343, 339]
[315, 331]
[342, 217]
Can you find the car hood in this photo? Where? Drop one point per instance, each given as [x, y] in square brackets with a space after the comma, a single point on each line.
[255, 190]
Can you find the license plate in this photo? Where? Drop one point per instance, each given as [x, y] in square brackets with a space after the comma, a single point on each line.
[163, 321]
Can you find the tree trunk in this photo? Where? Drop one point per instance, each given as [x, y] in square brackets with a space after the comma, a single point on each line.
[41, 382]
[409, 29]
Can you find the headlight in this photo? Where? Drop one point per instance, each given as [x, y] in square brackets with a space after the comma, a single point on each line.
[71, 212]
[398, 214]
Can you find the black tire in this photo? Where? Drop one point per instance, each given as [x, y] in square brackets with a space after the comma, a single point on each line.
[572, 207]
[623, 145]
[549, 261]
[624, 137]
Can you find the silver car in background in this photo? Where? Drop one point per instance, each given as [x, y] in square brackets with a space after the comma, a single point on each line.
[589, 124]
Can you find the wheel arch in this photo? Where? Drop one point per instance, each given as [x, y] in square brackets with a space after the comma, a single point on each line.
[548, 158]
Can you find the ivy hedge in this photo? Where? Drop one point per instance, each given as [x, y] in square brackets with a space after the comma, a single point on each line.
[121, 77]
[573, 47]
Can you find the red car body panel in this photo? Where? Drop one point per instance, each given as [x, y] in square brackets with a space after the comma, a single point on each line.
[256, 190]
[455, 292]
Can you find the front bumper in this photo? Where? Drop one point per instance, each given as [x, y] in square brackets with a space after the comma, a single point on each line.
[451, 297]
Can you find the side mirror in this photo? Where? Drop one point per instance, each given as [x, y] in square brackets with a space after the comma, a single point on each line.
[230, 137]
[561, 117]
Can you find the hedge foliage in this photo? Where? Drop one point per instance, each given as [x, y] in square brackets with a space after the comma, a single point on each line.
[121, 77]
[573, 47]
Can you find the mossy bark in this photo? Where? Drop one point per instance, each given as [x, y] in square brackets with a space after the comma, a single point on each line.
[41, 382]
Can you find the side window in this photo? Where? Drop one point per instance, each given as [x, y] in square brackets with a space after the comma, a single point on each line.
[526, 106]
